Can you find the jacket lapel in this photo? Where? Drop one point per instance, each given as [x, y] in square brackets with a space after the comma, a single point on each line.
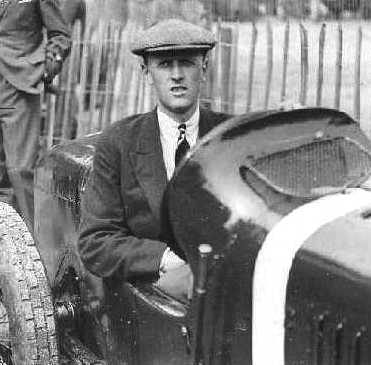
[147, 161]
[207, 122]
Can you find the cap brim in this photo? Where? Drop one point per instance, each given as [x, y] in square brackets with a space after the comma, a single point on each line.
[167, 48]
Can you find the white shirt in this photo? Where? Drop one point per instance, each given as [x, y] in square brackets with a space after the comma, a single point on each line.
[169, 134]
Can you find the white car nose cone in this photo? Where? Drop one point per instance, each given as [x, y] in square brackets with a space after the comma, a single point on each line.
[273, 264]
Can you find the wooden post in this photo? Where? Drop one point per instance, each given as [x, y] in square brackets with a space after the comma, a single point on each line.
[304, 65]
[226, 65]
[250, 79]
[148, 99]
[285, 60]
[81, 121]
[357, 76]
[94, 89]
[73, 61]
[216, 92]
[132, 93]
[268, 80]
[207, 89]
[122, 70]
[234, 68]
[321, 46]
[112, 56]
[140, 96]
[50, 113]
[338, 66]
[60, 82]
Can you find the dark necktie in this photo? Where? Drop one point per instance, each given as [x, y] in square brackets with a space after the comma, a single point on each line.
[183, 145]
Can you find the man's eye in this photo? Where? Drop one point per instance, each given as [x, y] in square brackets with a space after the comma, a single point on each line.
[164, 64]
[187, 62]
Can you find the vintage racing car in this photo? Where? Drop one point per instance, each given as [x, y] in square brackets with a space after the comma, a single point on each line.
[272, 211]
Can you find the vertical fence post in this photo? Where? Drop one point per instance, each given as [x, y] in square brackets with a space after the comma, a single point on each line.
[217, 67]
[321, 46]
[71, 82]
[109, 64]
[285, 60]
[141, 91]
[112, 56]
[60, 83]
[268, 79]
[148, 100]
[81, 95]
[226, 65]
[303, 65]
[357, 75]
[133, 89]
[50, 119]
[206, 91]
[250, 80]
[94, 89]
[338, 66]
[122, 75]
[233, 71]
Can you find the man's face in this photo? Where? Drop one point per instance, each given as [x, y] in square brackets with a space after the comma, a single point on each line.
[177, 78]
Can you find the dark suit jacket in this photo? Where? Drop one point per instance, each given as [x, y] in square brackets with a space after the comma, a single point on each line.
[22, 50]
[121, 220]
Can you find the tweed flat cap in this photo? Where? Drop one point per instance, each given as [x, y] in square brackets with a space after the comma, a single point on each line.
[171, 34]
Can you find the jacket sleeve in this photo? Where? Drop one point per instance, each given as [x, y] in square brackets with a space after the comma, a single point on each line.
[106, 244]
[58, 32]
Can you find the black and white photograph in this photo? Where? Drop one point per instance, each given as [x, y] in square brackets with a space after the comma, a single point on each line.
[185, 182]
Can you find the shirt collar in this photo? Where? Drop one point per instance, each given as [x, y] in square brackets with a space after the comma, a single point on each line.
[170, 126]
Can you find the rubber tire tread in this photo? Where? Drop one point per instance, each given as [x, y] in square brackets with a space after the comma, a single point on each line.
[26, 294]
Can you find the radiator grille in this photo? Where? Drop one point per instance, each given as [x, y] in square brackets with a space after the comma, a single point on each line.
[315, 168]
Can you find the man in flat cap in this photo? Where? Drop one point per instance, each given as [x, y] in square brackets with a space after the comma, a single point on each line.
[123, 234]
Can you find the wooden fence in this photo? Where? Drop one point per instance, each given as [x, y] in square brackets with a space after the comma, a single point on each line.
[254, 66]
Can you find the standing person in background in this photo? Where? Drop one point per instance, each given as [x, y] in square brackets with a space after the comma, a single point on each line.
[26, 63]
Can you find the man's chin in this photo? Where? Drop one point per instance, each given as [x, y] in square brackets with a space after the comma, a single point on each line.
[181, 108]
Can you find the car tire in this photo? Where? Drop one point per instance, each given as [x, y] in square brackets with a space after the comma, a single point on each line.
[25, 297]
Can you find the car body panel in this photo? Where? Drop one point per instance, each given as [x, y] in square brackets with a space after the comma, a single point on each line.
[224, 195]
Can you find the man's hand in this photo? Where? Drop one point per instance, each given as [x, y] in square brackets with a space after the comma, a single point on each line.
[170, 261]
[53, 66]
[176, 277]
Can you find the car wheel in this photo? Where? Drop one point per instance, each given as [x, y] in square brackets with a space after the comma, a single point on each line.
[27, 327]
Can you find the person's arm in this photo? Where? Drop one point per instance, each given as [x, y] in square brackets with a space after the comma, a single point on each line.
[58, 38]
[73, 10]
[106, 244]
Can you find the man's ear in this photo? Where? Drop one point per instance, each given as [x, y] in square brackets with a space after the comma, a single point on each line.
[205, 64]
[146, 72]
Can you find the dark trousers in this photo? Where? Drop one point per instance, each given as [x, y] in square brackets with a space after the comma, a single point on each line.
[20, 119]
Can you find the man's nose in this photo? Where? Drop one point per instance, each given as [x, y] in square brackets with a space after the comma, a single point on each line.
[177, 71]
